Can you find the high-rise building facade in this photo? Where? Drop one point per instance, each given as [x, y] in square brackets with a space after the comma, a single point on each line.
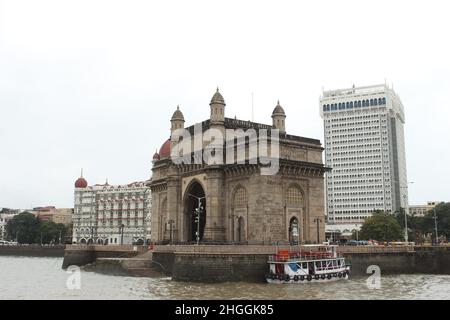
[111, 214]
[364, 146]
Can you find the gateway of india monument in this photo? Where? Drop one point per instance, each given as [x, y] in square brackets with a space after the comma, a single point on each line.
[240, 201]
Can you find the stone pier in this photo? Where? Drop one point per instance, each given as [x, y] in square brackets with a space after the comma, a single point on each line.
[249, 263]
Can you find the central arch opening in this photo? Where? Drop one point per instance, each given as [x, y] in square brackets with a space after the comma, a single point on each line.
[195, 202]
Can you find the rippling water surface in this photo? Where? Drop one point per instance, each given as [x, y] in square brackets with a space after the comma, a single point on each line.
[43, 278]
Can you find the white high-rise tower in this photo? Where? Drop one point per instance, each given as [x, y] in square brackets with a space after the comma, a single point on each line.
[365, 147]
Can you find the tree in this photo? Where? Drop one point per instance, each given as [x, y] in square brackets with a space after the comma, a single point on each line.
[416, 229]
[422, 227]
[26, 228]
[23, 228]
[443, 221]
[381, 227]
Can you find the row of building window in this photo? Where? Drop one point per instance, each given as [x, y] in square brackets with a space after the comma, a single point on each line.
[356, 212]
[354, 104]
[349, 219]
[337, 118]
[360, 205]
[357, 188]
[358, 183]
[363, 165]
[338, 194]
[359, 158]
[351, 142]
[356, 123]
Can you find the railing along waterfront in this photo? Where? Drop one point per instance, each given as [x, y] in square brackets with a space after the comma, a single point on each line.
[134, 248]
[272, 249]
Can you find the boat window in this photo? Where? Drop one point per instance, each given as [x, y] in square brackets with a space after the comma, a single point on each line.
[305, 265]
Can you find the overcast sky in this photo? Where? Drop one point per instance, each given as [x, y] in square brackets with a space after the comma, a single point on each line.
[93, 84]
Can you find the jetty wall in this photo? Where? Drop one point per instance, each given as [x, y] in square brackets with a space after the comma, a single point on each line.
[80, 255]
[249, 263]
[32, 250]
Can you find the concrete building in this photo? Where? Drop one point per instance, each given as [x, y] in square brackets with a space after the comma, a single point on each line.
[108, 214]
[50, 213]
[364, 146]
[421, 210]
[6, 215]
[239, 202]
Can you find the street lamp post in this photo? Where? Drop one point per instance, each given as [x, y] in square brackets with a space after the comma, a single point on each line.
[121, 233]
[332, 228]
[198, 212]
[435, 225]
[406, 210]
[406, 219]
[171, 222]
[318, 235]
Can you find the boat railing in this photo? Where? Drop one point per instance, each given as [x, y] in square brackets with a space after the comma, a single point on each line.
[303, 256]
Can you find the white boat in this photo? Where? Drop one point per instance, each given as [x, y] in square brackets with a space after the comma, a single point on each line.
[307, 264]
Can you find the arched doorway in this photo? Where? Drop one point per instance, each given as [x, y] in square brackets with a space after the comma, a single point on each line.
[239, 211]
[241, 230]
[83, 241]
[195, 197]
[294, 231]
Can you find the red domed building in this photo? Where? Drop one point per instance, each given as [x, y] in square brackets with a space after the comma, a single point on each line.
[111, 214]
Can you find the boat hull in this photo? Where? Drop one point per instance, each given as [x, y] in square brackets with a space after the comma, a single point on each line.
[311, 279]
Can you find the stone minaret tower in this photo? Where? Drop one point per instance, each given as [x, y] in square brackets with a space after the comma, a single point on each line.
[278, 118]
[217, 109]
[177, 120]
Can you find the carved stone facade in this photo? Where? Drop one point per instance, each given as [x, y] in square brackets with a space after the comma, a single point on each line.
[240, 204]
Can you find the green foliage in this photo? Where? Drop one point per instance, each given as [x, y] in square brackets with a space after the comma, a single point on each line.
[25, 228]
[381, 227]
[421, 227]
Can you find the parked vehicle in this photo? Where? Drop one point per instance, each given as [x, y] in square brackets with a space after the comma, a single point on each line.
[8, 243]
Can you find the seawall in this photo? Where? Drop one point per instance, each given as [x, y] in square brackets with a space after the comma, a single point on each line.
[32, 251]
[249, 263]
[80, 255]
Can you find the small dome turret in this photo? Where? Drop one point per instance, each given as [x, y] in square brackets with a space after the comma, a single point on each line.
[177, 121]
[278, 111]
[217, 107]
[217, 98]
[156, 156]
[278, 118]
[177, 115]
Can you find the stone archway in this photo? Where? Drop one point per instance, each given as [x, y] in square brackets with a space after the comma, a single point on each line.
[194, 196]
